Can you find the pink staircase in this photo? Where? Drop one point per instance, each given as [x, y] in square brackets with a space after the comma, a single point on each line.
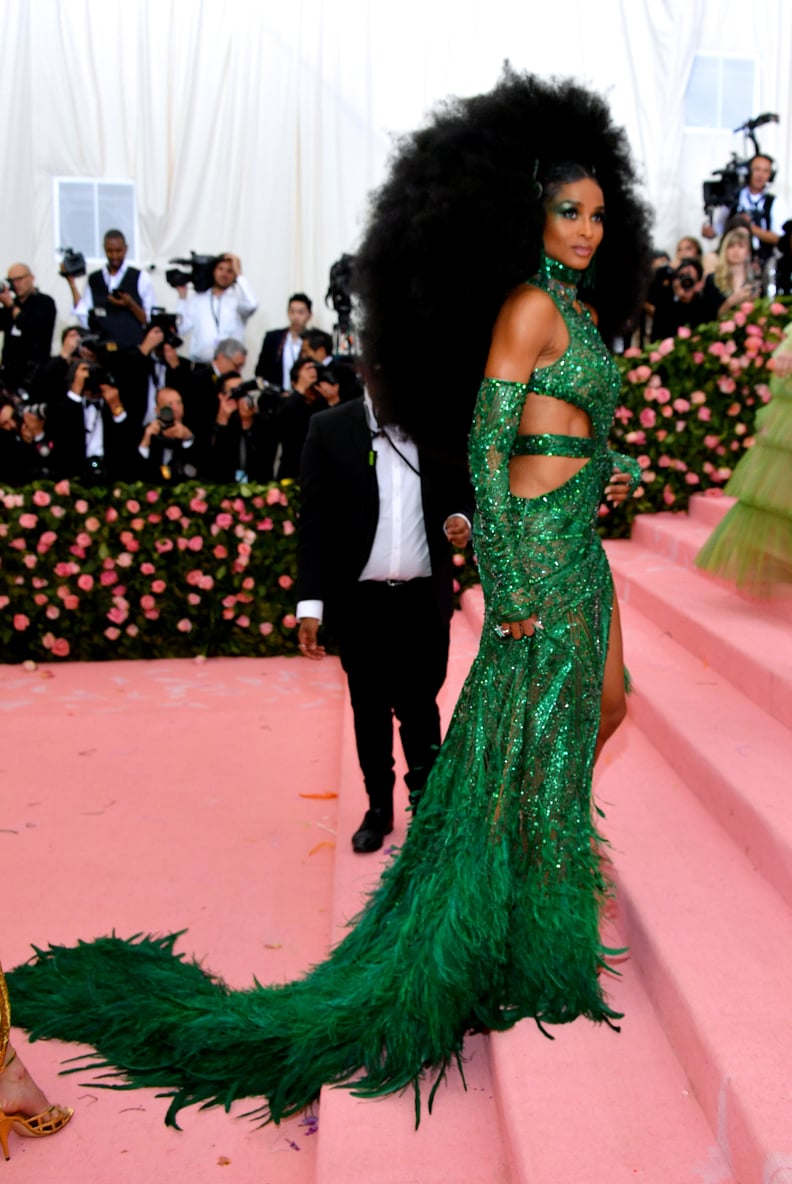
[178, 794]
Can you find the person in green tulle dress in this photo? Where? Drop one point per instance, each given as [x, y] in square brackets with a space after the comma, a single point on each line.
[492, 216]
[752, 545]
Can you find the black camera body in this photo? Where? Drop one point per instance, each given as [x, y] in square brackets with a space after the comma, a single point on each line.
[264, 397]
[200, 275]
[73, 261]
[168, 322]
[166, 417]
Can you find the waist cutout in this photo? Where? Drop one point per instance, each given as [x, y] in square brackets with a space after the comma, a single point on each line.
[549, 444]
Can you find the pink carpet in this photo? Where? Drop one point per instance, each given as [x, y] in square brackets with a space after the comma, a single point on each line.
[202, 796]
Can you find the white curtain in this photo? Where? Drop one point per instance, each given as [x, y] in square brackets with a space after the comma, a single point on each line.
[260, 127]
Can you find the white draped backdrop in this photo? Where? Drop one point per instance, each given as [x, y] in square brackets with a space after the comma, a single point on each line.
[260, 127]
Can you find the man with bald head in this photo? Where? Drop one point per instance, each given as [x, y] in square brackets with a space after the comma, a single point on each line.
[167, 451]
[27, 318]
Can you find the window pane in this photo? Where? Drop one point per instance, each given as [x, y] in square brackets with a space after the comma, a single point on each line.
[76, 217]
[701, 96]
[738, 92]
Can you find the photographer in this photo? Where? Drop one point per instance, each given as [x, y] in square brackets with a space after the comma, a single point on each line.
[755, 201]
[735, 278]
[52, 378]
[318, 345]
[218, 313]
[281, 348]
[27, 319]
[679, 302]
[152, 365]
[25, 448]
[117, 301]
[294, 416]
[167, 452]
[242, 438]
[90, 429]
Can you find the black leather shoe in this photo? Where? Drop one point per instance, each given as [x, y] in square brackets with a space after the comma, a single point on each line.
[371, 833]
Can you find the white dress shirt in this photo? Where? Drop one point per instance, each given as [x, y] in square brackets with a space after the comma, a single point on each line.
[210, 317]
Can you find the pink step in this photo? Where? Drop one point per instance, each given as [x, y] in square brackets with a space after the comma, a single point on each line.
[675, 536]
[741, 639]
[709, 508]
[735, 757]
[364, 1141]
[714, 946]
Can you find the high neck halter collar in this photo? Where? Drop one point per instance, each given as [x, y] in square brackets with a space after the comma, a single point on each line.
[561, 279]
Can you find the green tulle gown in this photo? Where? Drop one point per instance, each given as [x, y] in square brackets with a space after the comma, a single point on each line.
[752, 545]
[491, 911]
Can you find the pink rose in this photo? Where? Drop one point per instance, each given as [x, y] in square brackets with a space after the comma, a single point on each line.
[78, 551]
[224, 520]
[41, 498]
[4, 601]
[692, 478]
[228, 614]
[711, 441]
[92, 524]
[698, 357]
[778, 309]
[181, 543]
[206, 583]
[37, 582]
[158, 586]
[111, 633]
[193, 598]
[681, 405]
[111, 514]
[27, 521]
[717, 349]
[265, 524]
[21, 622]
[285, 581]
[228, 601]
[173, 512]
[623, 414]
[725, 327]
[124, 559]
[30, 561]
[662, 394]
[248, 583]
[71, 602]
[665, 347]
[48, 640]
[132, 630]
[106, 578]
[117, 615]
[683, 331]
[152, 614]
[147, 602]
[147, 569]
[138, 523]
[133, 506]
[40, 599]
[198, 505]
[704, 414]
[155, 518]
[184, 625]
[244, 550]
[273, 496]
[667, 411]
[289, 527]
[632, 352]
[243, 622]
[664, 462]
[18, 544]
[163, 545]
[289, 621]
[457, 559]
[669, 497]
[220, 552]
[152, 495]
[635, 438]
[193, 577]
[698, 397]
[63, 489]
[52, 612]
[265, 628]
[81, 506]
[60, 647]
[648, 418]
[195, 543]
[83, 539]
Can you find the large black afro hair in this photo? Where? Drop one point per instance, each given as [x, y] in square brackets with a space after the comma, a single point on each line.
[458, 224]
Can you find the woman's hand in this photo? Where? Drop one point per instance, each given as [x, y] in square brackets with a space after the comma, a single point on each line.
[518, 629]
[618, 489]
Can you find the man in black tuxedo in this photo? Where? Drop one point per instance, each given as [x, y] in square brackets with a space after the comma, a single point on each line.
[374, 560]
[27, 318]
[90, 429]
[281, 348]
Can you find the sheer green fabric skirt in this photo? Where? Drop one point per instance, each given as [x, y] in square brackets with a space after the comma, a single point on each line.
[752, 545]
[490, 913]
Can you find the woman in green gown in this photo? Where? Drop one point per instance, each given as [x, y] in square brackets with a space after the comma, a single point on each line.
[490, 913]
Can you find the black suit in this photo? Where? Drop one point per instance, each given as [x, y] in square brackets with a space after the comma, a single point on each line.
[393, 637]
[270, 362]
[66, 427]
[28, 337]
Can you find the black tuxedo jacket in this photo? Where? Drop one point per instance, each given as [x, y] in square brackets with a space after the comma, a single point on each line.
[340, 508]
[270, 363]
[66, 427]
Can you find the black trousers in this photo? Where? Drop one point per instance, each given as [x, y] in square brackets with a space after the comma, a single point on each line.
[393, 643]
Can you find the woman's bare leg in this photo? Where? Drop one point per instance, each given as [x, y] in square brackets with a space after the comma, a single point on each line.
[614, 699]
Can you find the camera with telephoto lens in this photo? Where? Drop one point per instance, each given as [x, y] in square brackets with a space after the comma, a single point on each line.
[168, 323]
[200, 275]
[166, 417]
[73, 263]
[259, 395]
[686, 280]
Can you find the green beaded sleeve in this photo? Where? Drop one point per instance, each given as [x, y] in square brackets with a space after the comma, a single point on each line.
[495, 423]
[626, 464]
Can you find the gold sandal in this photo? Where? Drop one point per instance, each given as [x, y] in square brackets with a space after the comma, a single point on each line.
[49, 1122]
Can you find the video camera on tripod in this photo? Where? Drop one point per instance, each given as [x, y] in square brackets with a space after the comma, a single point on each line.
[724, 190]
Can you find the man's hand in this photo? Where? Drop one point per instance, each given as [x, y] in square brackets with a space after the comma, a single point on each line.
[152, 429]
[307, 633]
[153, 338]
[236, 263]
[226, 406]
[177, 431]
[457, 530]
[112, 398]
[619, 488]
[7, 296]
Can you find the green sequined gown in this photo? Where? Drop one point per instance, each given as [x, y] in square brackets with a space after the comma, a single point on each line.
[491, 911]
